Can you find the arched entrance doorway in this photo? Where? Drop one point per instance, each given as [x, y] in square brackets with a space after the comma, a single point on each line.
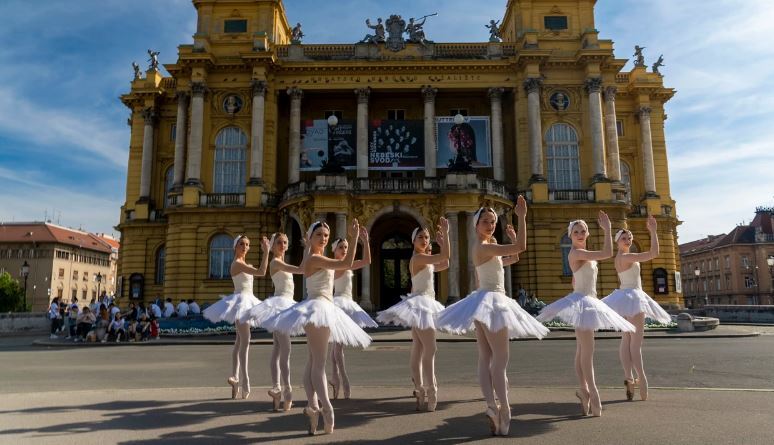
[391, 244]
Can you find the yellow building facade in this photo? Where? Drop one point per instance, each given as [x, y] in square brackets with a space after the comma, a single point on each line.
[240, 139]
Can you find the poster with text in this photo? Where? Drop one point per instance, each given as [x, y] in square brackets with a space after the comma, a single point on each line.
[319, 140]
[469, 139]
[396, 145]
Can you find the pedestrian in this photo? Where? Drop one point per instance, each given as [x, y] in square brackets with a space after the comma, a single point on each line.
[54, 316]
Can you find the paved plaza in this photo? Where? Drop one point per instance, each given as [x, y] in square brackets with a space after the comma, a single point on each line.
[712, 388]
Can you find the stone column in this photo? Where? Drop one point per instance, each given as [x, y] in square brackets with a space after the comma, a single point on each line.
[362, 131]
[257, 130]
[341, 225]
[194, 164]
[453, 276]
[180, 134]
[295, 134]
[365, 289]
[532, 86]
[431, 151]
[647, 152]
[594, 90]
[498, 151]
[149, 115]
[611, 130]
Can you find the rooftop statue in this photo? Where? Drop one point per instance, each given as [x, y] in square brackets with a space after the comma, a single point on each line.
[494, 31]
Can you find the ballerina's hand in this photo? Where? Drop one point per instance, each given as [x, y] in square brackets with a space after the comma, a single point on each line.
[510, 232]
[521, 207]
[604, 221]
[651, 224]
[364, 234]
[353, 228]
[443, 224]
[265, 244]
[439, 236]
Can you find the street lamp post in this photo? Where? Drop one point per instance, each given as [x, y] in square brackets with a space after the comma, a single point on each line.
[25, 273]
[331, 164]
[770, 262]
[99, 281]
[697, 272]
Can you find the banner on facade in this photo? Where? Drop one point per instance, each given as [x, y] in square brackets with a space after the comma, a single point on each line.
[396, 145]
[469, 139]
[319, 140]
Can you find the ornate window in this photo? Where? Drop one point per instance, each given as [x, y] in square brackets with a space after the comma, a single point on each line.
[161, 260]
[230, 160]
[566, 245]
[562, 158]
[221, 256]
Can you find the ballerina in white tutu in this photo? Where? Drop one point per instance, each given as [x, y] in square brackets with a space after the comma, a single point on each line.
[495, 316]
[342, 297]
[282, 277]
[321, 320]
[235, 308]
[584, 311]
[418, 311]
[634, 305]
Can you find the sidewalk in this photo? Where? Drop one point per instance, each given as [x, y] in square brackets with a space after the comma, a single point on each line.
[394, 335]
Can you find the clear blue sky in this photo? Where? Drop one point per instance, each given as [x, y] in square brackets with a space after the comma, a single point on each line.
[64, 139]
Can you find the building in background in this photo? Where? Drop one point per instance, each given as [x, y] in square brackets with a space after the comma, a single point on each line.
[255, 131]
[733, 268]
[62, 262]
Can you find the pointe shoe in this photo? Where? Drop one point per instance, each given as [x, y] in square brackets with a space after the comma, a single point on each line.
[245, 392]
[335, 389]
[347, 391]
[505, 420]
[275, 395]
[493, 417]
[585, 408]
[327, 420]
[596, 410]
[287, 399]
[234, 386]
[419, 393]
[629, 384]
[432, 399]
[644, 390]
[312, 416]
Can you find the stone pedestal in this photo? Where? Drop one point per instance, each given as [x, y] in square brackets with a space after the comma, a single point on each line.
[603, 191]
[539, 191]
[191, 195]
[253, 195]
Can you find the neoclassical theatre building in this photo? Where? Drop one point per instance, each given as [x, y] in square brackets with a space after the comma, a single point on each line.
[256, 131]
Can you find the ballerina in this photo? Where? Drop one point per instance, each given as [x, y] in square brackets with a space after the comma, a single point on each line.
[282, 277]
[235, 308]
[630, 302]
[495, 316]
[321, 320]
[584, 311]
[418, 311]
[342, 297]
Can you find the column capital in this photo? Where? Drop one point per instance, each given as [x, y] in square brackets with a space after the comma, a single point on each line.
[593, 85]
[610, 93]
[495, 93]
[259, 87]
[149, 115]
[644, 112]
[428, 93]
[363, 94]
[295, 93]
[533, 84]
[199, 89]
[182, 96]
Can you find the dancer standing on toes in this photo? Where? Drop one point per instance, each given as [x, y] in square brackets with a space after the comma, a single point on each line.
[634, 305]
[321, 320]
[584, 311]
[282, 277]
[418, 312]
[495, 316]
[235, 308]
[342, 297]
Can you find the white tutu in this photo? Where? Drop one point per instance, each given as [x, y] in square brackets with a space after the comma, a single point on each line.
[269, 308]
[629, 302]
[585, 312]
[233, 308]
[319, 312]
[415, 311]
[355, 312]
[493, 309]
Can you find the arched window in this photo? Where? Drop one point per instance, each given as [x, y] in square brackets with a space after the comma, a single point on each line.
[221, 256]
[626, 179]
[161, 261]
[562, 162]
[565, 245]
[230, 159]
[169, 177]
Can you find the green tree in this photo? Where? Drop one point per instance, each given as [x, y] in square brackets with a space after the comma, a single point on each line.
[11, 294]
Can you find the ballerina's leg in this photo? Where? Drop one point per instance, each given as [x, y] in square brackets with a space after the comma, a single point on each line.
[586, 340]
[317, 340]
[274, 362]
[636, 352]
[428, 349]
[244, 350]
[484, 366]
[283, 342]
[416, 359]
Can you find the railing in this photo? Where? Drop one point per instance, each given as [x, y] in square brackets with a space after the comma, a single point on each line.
[571, 195]
[271, 199]
[173, 200]
[439, 50]
[620, 195]
[492, 186]
[622, 78]
[222, 200]
[461, 50]
[388, 185]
